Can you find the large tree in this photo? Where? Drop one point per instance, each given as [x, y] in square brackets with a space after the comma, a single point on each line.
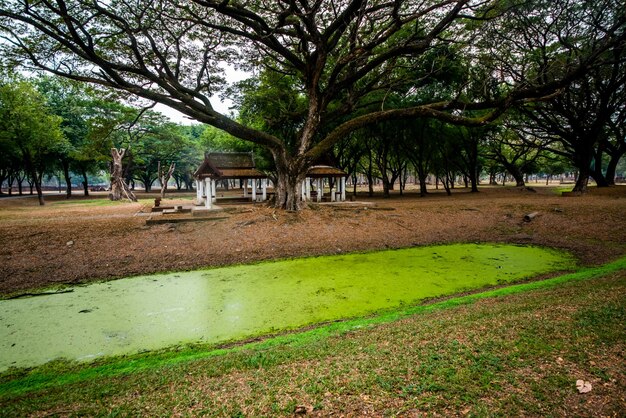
[585, 120]
[337, 53]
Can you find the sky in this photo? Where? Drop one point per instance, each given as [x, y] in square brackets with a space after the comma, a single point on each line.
[232, 76]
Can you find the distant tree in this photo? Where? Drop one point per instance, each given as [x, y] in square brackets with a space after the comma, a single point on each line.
[419, 148]
[29, 129]
[158, 143]
[516, 153]
[67, 100]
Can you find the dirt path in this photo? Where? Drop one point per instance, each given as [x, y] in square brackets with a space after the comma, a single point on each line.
[70, 242]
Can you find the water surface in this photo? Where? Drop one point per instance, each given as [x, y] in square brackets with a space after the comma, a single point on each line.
[217, 305]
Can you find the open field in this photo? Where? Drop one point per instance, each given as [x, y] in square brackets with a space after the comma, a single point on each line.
[515, 351]
[108, 240]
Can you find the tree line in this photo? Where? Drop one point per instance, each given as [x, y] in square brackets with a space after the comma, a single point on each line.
[350, 65]
[52, 125]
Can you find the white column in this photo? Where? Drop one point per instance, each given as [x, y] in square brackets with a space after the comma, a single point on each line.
[343, 189]
[254, 190]
[245, 188]
[320, 189]
[198, 191]
[207, 201]
[264, 187]
[307, 188]
[213, 191]
[332, 192]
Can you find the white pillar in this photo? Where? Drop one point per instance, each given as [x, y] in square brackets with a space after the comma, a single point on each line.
[207, 201]
[213, 191]
[320, 189]
[264, 187]
[198, 191]
[254, 190]
[332, 192]
[307, 188]
[245, 188]
[343, 189]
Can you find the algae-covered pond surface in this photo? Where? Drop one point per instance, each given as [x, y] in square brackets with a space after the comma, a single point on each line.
[217, 305]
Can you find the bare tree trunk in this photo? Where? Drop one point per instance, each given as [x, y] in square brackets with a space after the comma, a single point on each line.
[68, 179]
[119, 188]
[164, 177]
[85, 183]
[37, 182]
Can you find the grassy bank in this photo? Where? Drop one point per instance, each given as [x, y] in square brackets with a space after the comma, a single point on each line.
[510, 351]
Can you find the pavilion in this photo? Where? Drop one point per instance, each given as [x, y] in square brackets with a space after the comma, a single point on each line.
[219, 166]
[317, 176]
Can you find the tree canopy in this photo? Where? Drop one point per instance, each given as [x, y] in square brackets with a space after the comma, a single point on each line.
[340, 58]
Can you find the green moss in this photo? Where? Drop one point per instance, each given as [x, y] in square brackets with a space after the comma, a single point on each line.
[225, 304]
[58, 374]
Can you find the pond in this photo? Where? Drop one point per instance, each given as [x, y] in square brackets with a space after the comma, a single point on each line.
[224, 304]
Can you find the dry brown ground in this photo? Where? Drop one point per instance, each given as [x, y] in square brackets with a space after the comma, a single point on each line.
[112, 241]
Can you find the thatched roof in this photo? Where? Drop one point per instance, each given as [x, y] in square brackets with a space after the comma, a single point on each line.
[228, 165]
[318, 171]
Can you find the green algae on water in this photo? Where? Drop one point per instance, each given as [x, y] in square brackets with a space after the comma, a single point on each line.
[217, 305]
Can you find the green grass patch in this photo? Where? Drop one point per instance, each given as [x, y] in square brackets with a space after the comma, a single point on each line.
[87, 202]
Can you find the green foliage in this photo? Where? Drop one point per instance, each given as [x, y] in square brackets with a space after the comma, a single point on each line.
[29, 132]
[215, 140]
[273, 103]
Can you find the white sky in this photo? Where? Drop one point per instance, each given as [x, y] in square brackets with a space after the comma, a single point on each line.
[232, 76]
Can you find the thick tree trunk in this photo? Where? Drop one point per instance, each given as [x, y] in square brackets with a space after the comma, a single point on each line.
[423, 189]
[288, 187]
[288, 191]
[446, 186]
[386, 185]
[583, 163]
[582, 180]
[516, 173]
[611, 168]
[119, 188]
[599, 178]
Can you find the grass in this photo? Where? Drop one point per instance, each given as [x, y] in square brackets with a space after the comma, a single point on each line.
[517, 350]
[88, 202]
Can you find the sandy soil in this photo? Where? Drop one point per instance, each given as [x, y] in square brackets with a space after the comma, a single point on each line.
[70, 242]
